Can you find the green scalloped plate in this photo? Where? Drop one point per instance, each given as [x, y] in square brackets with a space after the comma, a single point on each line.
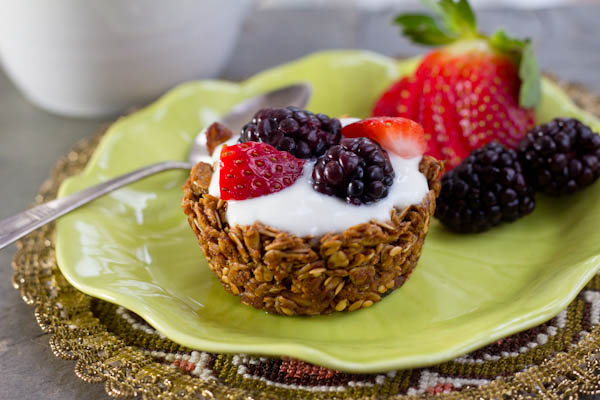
[134, 247]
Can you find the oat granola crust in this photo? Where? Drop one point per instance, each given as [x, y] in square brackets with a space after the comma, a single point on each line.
[286, 274]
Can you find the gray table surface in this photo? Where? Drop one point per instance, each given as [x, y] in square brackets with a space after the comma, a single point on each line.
[31, 140]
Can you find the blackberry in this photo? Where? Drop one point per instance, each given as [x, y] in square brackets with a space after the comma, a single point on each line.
[488, 187]
[299, 132]
[357, 170]
[561, 156]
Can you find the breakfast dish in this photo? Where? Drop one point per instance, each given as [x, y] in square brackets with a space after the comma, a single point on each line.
[302, 217]
[135, 247]
[137, 342]
[305, 214]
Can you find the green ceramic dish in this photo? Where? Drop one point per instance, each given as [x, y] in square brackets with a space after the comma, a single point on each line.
[134, 247]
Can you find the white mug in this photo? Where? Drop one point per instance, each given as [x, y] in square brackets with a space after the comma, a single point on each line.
[98, 57]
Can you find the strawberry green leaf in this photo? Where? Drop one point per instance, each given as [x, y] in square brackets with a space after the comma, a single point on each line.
[422, 29]
[453, 20]
[506, 44]
[529, 72]
[522, 52]
[458, 17]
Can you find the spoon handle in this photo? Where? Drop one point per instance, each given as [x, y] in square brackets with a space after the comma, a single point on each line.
[19, 225]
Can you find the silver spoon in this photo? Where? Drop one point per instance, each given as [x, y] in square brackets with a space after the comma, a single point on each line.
[19, 225]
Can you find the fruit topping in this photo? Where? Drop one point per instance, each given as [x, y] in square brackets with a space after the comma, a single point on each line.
[561, 156]
[399, 135]
[249, 170]
[357, 170]
[488, 187]
[217, 134]
[474, 90]
[299, 132]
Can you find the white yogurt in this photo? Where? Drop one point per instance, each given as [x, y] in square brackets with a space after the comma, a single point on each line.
[301, 210]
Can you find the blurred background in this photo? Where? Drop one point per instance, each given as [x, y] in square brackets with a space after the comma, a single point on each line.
[374, 4]
[100, 57]
[86, 62]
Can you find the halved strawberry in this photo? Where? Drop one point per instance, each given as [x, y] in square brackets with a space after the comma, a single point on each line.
[401, 136]
[253, 169]
[472, 91]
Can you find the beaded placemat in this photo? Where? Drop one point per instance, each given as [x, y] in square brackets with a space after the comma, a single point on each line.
[558, 359]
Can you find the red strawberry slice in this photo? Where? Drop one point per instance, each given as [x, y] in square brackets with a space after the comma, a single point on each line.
[475, 90]
[253, 169]
[401, 136]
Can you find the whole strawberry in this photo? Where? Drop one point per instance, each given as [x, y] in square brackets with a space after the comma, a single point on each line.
[473, 90]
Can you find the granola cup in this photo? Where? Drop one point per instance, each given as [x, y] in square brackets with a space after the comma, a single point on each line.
[285, 274]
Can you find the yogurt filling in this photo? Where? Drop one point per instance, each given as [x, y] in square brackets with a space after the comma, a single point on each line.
[301, 210]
